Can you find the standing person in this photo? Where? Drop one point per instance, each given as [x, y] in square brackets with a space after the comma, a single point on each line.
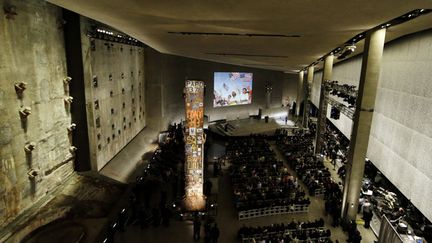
[196, 228]
[166, 214]
[214, 234]
[333, 157]
[207, 230]
[367, 213]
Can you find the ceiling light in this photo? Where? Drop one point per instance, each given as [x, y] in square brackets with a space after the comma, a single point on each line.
[347, 50]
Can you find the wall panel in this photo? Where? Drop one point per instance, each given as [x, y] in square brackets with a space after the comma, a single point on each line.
[115, 95]
[32, 51]
[400, 143]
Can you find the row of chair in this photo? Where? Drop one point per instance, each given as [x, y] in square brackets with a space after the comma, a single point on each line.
[275, 210]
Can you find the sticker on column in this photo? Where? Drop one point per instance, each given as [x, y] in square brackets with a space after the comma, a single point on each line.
[192, 131]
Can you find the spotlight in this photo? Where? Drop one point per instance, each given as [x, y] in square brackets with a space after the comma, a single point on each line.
[347, 50]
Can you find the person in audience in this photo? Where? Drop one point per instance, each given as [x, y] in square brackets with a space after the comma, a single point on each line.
[207, 231]
[214, 233]
[291, 232]
[196, 228]
[259, 180]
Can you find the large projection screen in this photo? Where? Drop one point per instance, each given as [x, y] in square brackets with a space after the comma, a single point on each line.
[232, 88]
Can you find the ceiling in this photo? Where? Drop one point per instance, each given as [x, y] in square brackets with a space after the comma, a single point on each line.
[321, 25]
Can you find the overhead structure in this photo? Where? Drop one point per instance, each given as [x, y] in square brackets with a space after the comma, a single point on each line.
[284, 35]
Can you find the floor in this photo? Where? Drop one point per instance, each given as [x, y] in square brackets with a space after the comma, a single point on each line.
[244, 127]
[131, 158]
[367, 234]
[181, 231]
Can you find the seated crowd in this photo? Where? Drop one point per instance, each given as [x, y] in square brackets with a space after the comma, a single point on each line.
[292, 232]
[298, 150]
[258, 179]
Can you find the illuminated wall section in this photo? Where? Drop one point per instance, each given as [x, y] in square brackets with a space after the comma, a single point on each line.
[194, 145]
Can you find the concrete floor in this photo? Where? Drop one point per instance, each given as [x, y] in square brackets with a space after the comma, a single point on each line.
[124, 166]
[181, 231]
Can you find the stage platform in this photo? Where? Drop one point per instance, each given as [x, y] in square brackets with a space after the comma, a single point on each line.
[244, 127]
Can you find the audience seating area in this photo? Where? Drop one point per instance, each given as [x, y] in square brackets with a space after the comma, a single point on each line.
[298, 150]
[291, 232]
[273, 210]
[262, 185]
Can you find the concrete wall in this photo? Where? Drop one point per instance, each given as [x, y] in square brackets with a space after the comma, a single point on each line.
[32, 51]
[289, 88]
[400, 143]
[165, 81]
[316, 88]
[115, 95]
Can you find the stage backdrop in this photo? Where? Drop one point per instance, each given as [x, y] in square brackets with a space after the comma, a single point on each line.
[232, 88]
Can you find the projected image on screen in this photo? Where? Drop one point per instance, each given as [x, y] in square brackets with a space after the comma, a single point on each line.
[232, 88]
